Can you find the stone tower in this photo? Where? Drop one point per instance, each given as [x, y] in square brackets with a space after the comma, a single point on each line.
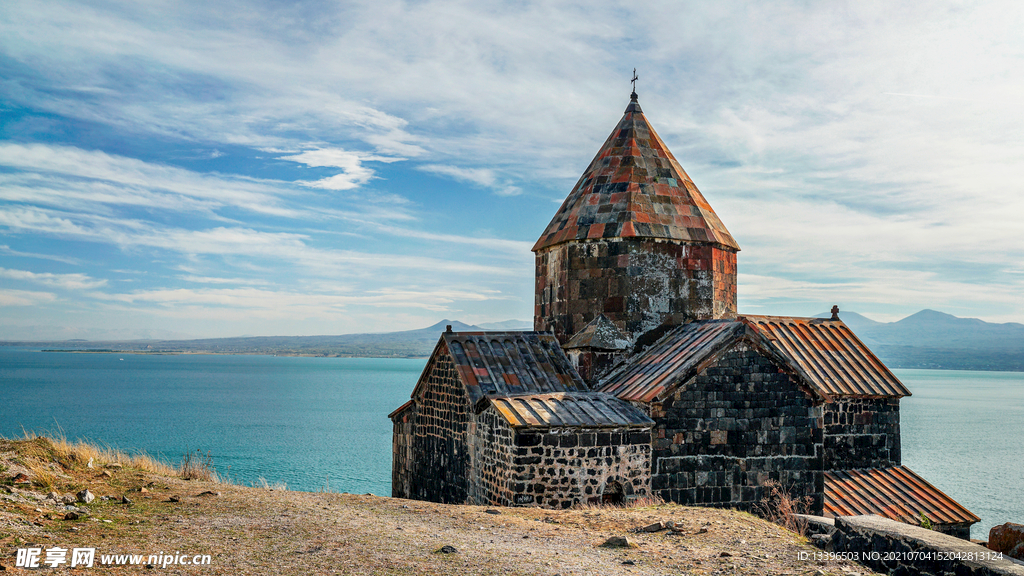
[634, 240]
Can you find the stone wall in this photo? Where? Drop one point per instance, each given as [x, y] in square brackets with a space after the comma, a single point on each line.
[491, 451]
[438, 467]
[401, 452]
[639, 284]
[862, 433]
[559, 467]
[897, 548]
[738, 424]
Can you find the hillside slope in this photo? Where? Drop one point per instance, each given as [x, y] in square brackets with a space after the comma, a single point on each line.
[258, 531]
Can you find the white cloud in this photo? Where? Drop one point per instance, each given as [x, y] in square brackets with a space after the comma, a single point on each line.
[480, 176]
[25, 298]
[354, 175]
[75, 281]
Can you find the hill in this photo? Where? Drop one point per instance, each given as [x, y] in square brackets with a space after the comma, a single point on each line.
[932, 339]
[404, 344]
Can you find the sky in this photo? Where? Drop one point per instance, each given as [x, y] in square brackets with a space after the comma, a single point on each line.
[214, 169]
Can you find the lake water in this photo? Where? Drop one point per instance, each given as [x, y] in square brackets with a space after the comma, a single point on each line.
[321, 423]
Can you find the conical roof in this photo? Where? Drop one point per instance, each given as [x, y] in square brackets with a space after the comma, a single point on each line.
[635, 188]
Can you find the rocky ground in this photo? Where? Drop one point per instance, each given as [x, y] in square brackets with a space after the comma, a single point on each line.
[247, 530]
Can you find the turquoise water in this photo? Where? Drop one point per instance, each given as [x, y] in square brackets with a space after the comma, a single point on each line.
[321, 423]
[312, 423]
[964, 432]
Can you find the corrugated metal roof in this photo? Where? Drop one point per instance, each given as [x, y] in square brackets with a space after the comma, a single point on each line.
[674, 359]
[592, 410]
[895, 493]
[829, 356]
[599, 334]
[635, 187]
[511, 363]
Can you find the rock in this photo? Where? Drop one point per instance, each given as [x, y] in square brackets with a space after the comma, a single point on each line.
[90, 463]
[702, 531]
[20, 478]
[823, 541]
[53, 496]
[86, 496]
[72, 515]
[126, 500]
[69, 499]
[143, 490]
[174, 499]
[492, 511]
[618, 542]
[209, 493]
[670, 525]
[628, 563]
[114, 465]
[107, 474]
[656, 527]
[1007, 538]
[446, 549]
[725, 554]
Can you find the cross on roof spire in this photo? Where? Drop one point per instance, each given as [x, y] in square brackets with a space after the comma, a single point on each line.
[632, 95]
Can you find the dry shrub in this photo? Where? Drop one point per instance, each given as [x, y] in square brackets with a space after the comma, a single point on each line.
[780, 507]
[196, 466]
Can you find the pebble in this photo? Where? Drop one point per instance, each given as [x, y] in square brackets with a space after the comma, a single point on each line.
[446, 549]
[86, 496]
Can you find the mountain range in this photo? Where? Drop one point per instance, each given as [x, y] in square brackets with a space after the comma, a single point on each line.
[927, 339]
[932, 339]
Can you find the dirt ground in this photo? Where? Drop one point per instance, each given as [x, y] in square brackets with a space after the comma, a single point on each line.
[247, 530]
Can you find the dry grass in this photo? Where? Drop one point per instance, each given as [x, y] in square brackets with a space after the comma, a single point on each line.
[780, 507]
[46, 457]
[197, 466]
[633, 503]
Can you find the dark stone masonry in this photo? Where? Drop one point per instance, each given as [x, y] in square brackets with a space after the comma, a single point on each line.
[862, 433]
[740, 423]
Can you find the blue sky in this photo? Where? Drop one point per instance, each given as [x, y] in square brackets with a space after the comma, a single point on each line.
[287, 168]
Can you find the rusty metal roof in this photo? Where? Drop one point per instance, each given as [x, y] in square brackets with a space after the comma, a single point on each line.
[672, 360]
[829, 355]
[635, 187]
[895, 493]
[599, 334]
[511, 363]
[589, 410]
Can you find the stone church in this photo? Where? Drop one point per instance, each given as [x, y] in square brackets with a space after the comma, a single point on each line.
[642, 379]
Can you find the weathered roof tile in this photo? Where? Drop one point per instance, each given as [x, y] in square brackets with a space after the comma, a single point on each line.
[634, 187]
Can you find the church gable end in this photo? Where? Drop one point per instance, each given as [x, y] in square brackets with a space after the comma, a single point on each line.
[738, 423]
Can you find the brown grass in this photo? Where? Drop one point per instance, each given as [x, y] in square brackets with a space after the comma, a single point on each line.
[39, 451]
[197, 466]
[780, 507]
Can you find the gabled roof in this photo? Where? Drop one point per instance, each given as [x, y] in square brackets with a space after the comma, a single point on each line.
[829, 355]
[822, 354]
[599, 334]
[678, 356]
[588, 409]
[896, 493]
[635, 188]
[507, 363]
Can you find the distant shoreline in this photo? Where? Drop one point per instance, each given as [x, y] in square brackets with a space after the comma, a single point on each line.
[211, 353]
